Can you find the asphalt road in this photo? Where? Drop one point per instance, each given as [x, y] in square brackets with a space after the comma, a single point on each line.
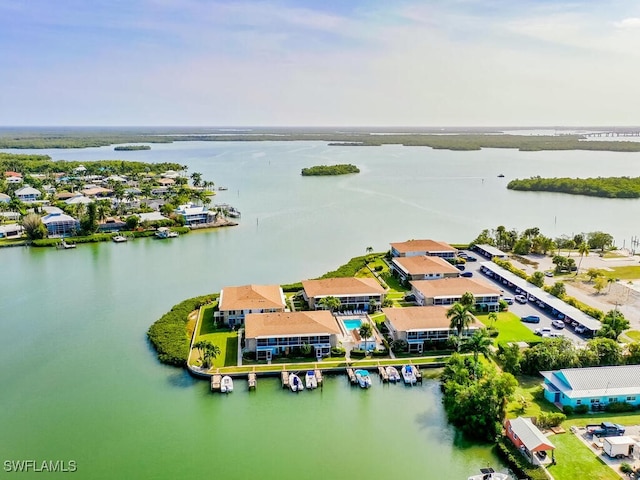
[521, 310]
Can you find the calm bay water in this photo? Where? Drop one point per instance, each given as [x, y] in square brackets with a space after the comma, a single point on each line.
[79, 381]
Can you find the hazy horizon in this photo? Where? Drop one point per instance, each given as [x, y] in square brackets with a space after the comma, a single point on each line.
[303, 63]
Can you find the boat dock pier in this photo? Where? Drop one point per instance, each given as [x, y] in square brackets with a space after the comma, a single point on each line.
[285, 379]
[253, 381]
[352, 376]
[418, 374]
[383, 374]
[318, 374]
[215, 382]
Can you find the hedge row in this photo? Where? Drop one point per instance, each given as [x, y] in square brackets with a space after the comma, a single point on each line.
[517, 463]
[168, 334]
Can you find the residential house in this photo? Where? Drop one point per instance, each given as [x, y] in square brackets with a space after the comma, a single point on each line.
[12, 230]
[13, 177]
[4, 198]
[593, 386]
[236, 302]
[60, 225]
[269, 334]
[165, 182]
[412, 248]
[422, 268]
[420, 326]
[195, 214]
[28, 194]
[527, 438]
[78, 199]
[95, 191]
[10, 216]
[151, 217]
[111, 224]
[448, 291]
[353, 293]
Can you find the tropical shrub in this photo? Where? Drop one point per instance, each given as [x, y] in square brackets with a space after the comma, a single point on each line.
[582, 409]
[619, 407]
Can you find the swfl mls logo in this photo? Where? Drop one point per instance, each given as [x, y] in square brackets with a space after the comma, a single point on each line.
[62, 466]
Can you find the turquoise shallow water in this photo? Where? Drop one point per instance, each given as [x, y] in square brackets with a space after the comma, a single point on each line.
[80, 382]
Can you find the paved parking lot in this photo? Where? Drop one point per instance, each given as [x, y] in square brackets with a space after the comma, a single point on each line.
[521, 310]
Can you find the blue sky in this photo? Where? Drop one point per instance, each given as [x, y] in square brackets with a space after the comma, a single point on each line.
[332, 62]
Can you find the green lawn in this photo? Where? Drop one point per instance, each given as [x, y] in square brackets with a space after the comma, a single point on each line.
[634, 335]
[624, 273]
[510, 328]
[574, 460]
[528, 400]
[224, 338]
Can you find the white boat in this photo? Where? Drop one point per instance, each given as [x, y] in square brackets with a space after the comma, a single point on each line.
[364, 380]
[409, 374]
[119, 238]
[226, 385]
[66, 245]
[164, 232]
[172, 234]
[393, 374]
[310, 380]
[295, 384]
[489, 474]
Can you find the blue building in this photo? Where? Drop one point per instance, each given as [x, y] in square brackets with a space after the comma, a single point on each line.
[593, 386]
[61, 225]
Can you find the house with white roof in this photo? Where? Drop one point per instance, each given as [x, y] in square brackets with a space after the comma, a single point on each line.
[28, 194]
[527, 438]
[151, 217]
[13, 230]
[593, 386]
[4, 198]
[60, 225]
[237, 302]
[78, 199]
[195, 214]
[420, 326]
[269, 334]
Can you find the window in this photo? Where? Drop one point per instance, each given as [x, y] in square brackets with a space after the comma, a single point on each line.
[631, 399]
[578, 402]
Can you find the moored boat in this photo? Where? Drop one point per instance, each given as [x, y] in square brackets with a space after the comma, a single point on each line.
[393, 374]
[409, 375]
[295, 384]
[66, 245]
[119, 238]
[310, 380]
[364, 380]
[226, 385]
[489, 474]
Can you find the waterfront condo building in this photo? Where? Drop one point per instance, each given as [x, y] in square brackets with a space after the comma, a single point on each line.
[237, 302]
[448, 291]
[430, 248]
[353, 293]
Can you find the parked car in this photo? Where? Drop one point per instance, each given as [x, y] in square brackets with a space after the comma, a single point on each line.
[531, 319]
[557, 323]
[605, 429]
[471, 259]
[543, 332]
[466, 274]
[520, 299]
[460, 267]
[410, 298]
[548, 273]
[509, 300]
[580, 329]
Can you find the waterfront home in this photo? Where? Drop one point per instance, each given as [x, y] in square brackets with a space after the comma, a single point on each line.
[353, 293]
[422, 268]
[529, 440]
[268, 334]
[60, 225]
[447, 291]
[151, 217]
[431, 248]
[4, 198]
[28, 194]
[111, 224]
[153, 203]
[195, 214]
[237, 302]
[13, 230]
[593, 386]
[420, 326]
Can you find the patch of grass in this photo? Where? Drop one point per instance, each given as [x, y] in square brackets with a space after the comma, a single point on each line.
[625, 273]
[633, 335]
[227, 341]
[528, 399]
[575, 460]
[509, 327]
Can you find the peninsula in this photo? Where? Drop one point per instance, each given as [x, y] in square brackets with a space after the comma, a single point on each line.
[606, 187]
[126, 148]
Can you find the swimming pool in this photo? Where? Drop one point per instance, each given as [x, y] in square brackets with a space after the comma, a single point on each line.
[351, 324]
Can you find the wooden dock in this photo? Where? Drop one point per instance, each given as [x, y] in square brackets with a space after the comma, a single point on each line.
[285, 379]
[318, 374]
[215, 382]
[352, 376]
[382, 371]
[418, 374]
[253, 381]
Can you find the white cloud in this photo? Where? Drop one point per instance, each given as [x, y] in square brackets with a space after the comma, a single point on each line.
[632, 22]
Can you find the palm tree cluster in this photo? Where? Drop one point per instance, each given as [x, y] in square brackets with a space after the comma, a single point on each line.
[208, 352]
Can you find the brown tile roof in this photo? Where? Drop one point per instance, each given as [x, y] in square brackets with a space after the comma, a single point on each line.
[166, 181]
[9, 173]
[251, 297]
[95, 191]
[421, 318]
[290, 323]
[424, 265]
[342, 286]
[64, 195]
[423, 246]
[450, 287]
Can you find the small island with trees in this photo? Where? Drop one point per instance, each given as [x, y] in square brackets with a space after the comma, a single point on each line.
[128, 148]
[320, 170]
[606, 187]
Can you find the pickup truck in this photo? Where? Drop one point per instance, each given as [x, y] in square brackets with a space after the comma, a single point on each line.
[605, 429]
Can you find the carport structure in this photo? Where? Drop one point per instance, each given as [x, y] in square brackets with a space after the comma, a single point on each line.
[544, 300]
[529, 440]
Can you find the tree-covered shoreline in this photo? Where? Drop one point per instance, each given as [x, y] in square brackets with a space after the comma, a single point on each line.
[604, 187]
[128, 148]
[322, 170]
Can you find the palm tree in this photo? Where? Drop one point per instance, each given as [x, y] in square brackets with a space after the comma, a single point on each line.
[611, 281]
[208, 352]
[493, 316]
[460, 318]
[478, 343]
[330, 303]
[365, 331]
[196, 178]
[583, 249]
